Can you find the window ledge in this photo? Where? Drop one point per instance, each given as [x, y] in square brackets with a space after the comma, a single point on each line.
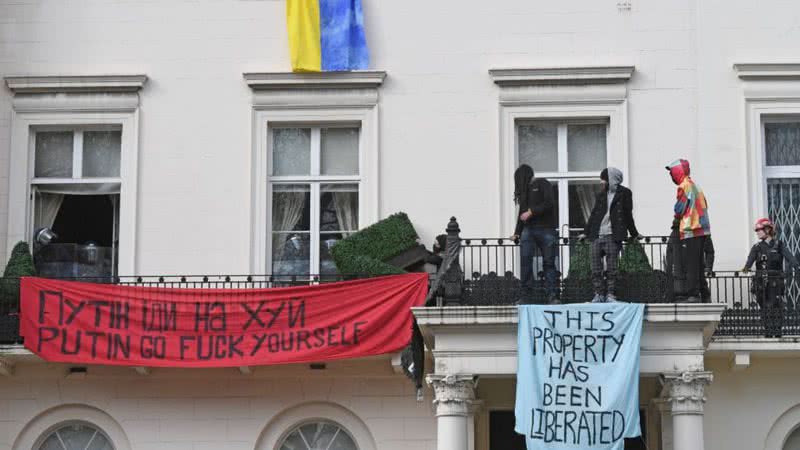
[561, 75]
[76, 83]
[327, 80]
[768, 71]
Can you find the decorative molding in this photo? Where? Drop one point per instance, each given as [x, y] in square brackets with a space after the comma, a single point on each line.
[768, 71]
[561, 75]
[314, 80]
[75, 102]
[314, 99]
[686, 391]
[75, 83]
[454, 395]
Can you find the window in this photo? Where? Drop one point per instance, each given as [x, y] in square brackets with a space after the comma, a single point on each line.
[314, 183]
[571, 155]
[74, 150]
[318, 435]
[76, 436]
[76, 176]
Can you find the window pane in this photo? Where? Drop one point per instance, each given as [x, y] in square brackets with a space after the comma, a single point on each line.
[53, 154]
[338, 207]
[76, 436]
[782, 143]
[294, 442]
[538, 145]
[343, 441]
[581, 201]
[51, 443]
[586, 147]
[101, 150]
[291, 151]
[291, 207]
[100, 443]
[290, 253]
[339, 151]
[327, 241]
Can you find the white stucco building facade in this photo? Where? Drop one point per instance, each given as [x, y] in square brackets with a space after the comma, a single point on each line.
[195, 102]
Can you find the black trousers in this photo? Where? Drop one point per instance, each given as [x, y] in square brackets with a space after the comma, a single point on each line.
[692, 259]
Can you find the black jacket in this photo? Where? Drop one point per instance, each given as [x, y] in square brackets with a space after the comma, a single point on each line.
[770, 256]
[541, 202]
[621, 215]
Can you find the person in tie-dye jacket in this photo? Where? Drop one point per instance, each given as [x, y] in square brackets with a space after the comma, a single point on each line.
[694, 228]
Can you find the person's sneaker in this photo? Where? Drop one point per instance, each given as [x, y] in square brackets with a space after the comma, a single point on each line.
[598, 299]
[611, 298]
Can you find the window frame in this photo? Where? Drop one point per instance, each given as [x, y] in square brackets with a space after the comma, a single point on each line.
[365, 118]
[314, 181]
[22, 182]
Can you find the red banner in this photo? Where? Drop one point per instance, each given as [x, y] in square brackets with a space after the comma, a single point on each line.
[74, 322]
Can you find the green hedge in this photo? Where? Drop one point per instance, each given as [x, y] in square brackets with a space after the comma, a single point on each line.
[580, 260]
[365, 251]
[20, 264]
[634, 259]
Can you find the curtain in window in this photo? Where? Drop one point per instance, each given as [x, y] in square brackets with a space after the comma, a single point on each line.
[586, 194]
[47, 206]
[346, 204]
[287, 210]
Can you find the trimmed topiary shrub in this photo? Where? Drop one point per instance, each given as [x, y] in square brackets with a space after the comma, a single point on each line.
[578, 284]
[20, 264]
[634, 259]
[366, 251]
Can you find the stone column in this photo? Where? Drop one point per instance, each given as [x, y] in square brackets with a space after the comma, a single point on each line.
[454, 406]
[685, 392]
[664, 407]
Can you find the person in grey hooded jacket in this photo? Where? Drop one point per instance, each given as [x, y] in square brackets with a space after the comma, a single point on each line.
[609, 224]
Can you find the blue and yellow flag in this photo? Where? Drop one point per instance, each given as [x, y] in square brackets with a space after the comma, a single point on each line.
[326, 35]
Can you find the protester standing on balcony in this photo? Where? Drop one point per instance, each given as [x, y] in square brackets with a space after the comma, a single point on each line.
[691, 216]
[536, 228]
[609, 223]
[768, 286]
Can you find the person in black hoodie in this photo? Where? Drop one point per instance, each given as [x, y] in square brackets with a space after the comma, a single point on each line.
[536, 227]
[609, 223]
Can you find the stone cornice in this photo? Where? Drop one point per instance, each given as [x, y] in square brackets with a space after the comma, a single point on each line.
[767, 71]
[75, 83]
[314, 80]
[561, 75]
[686, 391]
[454, 395]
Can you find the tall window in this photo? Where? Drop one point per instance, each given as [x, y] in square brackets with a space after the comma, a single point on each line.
[782, 178]
[75, 187]
[571, 155]
[77, 436]
[314, 183]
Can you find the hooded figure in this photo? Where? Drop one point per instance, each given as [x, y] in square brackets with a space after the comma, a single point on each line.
[692, 226]
[612, 214]
[691, 209]
[609, 224]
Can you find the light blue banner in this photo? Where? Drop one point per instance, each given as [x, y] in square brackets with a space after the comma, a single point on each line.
[578, 375]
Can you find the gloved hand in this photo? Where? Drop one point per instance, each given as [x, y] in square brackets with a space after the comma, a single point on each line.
[581, 237]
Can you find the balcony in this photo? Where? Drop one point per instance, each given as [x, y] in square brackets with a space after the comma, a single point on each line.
[484, 272]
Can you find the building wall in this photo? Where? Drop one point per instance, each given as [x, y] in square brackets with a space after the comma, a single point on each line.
[439, 112]
[754, 399]
[220, 408]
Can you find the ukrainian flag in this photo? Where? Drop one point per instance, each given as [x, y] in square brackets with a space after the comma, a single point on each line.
[326, 35]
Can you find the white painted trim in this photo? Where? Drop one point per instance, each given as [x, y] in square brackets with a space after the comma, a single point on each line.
[764, 97]
[275, 430]
[48, 421]
[561, 75]
[76, 83]
[21, 173]
[767, 71]
[263, 119]
[782, 428]
[306, 80]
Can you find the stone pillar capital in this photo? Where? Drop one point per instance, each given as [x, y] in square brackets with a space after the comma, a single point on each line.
[454, 394]
[685, 391]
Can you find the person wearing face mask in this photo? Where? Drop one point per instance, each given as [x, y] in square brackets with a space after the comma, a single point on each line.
[609, 223]
[693, 227]
[768, 285]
